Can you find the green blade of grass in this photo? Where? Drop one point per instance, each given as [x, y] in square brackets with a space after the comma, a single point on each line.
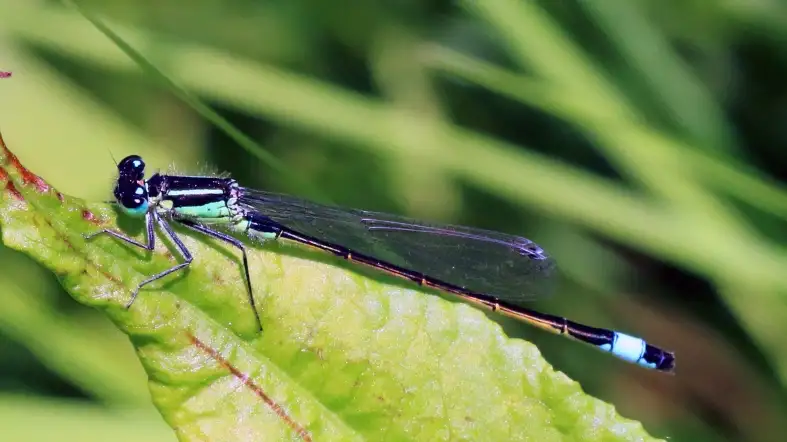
[203, 109]
[725, 175]
[679, 94]
[344, 355]
[535, 40]
[74, 353]
[37, 419]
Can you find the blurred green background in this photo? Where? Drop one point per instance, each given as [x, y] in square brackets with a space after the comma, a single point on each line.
[638, 141]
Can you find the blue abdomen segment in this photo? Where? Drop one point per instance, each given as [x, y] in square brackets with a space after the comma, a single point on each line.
[636, 350]
[626, 347]
[261, 227]
[251, 227]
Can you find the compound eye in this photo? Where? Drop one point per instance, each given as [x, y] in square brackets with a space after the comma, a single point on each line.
[132, 168]
[132, 196]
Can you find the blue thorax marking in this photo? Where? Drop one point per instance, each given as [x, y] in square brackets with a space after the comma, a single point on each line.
[217, 210]
[193, 192]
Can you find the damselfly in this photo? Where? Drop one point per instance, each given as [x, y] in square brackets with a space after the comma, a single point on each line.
[489, 269]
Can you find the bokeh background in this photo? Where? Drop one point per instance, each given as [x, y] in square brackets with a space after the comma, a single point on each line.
[640, 141]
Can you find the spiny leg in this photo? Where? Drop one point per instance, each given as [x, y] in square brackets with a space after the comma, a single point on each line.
[151, 242]
[151, 234]
[184, 252]
[150, 218]
[235, 242]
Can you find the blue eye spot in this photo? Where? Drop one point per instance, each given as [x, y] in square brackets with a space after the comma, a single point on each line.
[139, 191]
[137, 163]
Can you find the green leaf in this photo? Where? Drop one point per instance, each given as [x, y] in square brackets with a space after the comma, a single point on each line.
[346, 353]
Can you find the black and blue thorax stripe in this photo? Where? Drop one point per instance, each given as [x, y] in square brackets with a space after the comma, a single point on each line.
[208, 199]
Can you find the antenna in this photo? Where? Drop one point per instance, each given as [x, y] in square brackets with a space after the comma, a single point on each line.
[113, 157]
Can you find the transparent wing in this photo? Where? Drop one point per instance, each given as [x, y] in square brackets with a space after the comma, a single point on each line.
[508, 267]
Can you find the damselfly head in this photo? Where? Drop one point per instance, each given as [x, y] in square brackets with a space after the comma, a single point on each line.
[131, 191]
[131, 168]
